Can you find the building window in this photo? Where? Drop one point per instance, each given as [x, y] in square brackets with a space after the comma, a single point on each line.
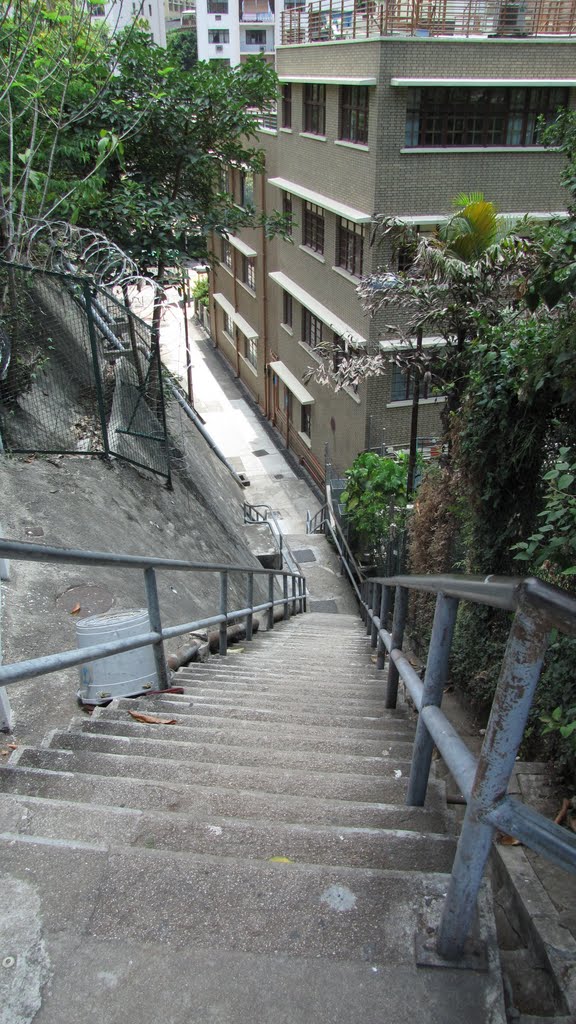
[229, 326]
[247, 188]
[403, 385]
[483, 117]
[314, 109]
[354, 114]
[286, 106]
[249, 271]
[255, 36]
[313, 232]
[311, 329]
[338, 351]
[306, 420]
[218, 35]
[287, 309]
[226, 253]
[217, 6]
[287, 210]
[349, 246]
[251, 350]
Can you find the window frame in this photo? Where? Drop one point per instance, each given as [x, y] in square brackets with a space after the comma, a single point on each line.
[228, 327]
[313, 227]
[226, 257]
[306, 421]
[350, 247]
[288, 210]
[314, 109]
[286, 106]
[353, 114]
[479, 117]
[402, 385]
[249, 272]
[218, 32]
[312, 329]
[287, 309]
[247, 187]
[250, 351]
[252, 42]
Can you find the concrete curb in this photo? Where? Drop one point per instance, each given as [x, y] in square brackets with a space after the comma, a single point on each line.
[539, 921]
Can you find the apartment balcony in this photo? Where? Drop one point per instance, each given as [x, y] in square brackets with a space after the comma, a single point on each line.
[256, 12]
[326, 20]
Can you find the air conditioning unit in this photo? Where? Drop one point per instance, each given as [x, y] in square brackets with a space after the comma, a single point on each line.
[262, 49]
[218, 17]
[219, 49]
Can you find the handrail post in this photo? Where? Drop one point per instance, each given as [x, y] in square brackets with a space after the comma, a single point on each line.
[303, 606]
[434, 681]
[250, 605]
[223, 630]
[398, 624]
[385, 603]
[156, 627]
[519, 676]
[270, 623]
[294, 602]
[285, 596]
[369, 606]
[374, 632]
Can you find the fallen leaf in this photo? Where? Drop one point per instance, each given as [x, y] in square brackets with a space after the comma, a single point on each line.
[75, 609]
[12, 746]
[151, 719]
[505, 840]
[4, 752]
[280, 860]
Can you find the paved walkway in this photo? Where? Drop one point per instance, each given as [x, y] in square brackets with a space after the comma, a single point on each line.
[245, 439]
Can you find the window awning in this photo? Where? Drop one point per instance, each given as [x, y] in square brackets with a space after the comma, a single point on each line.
[347, 212]
[491, 83]
[324, 80]
[322, 312]
[236, 318]
[431, 219]
[246, 250]
[291, 382]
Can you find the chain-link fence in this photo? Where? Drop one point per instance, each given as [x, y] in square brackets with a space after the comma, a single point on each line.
[79, 371]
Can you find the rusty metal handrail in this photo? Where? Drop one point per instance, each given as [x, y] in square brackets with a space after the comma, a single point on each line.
[537, 608]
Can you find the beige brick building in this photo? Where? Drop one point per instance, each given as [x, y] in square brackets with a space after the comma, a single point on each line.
[396, 123]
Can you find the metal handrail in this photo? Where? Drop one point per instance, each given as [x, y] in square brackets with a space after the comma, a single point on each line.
[252, 514]
[538, 608]
[293, 601]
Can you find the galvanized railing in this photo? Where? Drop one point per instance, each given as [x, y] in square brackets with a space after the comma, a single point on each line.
[293, 601]
[328, 20]
[266, 515]
[537, 609]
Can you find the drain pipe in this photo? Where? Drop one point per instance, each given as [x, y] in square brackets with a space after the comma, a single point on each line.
[172, 388]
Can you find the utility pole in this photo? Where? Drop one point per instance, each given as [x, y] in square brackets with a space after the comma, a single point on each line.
[414, 419]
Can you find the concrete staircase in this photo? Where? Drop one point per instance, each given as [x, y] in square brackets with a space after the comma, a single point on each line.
[253, 863]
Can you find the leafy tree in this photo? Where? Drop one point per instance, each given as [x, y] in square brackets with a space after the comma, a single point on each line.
[374, 500]
[183, 48]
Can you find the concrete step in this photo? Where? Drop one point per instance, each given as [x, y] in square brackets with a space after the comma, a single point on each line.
[226, 837]
[378, 721]
[158, 742]
[211, 802]
[245, 680]
[192, 938]
[115, 722]
[286, 699]
[387, 788]
[224, 903]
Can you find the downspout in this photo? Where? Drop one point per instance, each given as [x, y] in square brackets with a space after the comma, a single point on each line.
[264, 317]
[235, 287]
